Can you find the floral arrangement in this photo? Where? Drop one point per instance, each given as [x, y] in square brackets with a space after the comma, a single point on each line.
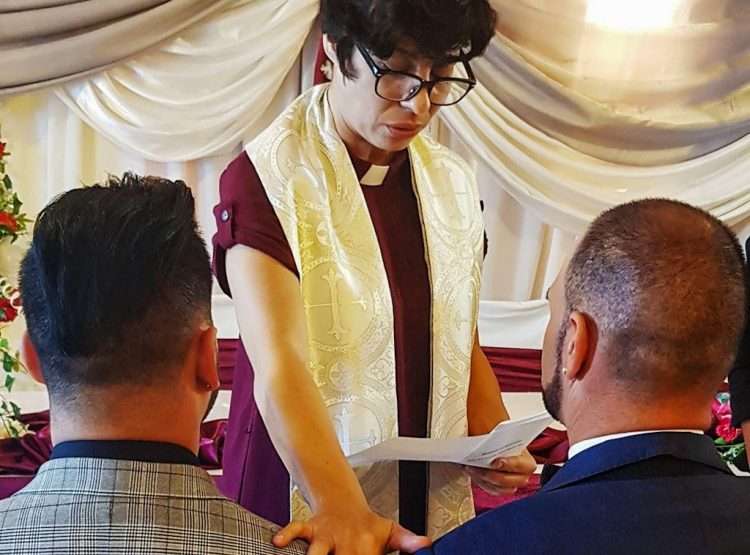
[728, 439]
[13, 223]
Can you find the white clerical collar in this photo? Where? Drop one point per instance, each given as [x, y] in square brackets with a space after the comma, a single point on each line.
[375, 175]
[581, 446]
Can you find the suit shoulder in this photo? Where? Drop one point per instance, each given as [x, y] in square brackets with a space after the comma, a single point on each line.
[256, 532]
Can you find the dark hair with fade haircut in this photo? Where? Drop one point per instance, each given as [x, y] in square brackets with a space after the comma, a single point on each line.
[115, 283]
[664, 283]
[437, 27]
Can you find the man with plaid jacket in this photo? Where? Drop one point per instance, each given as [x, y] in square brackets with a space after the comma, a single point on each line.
[116, 288]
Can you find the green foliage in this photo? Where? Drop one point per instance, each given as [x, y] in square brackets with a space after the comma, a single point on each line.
[13, 223]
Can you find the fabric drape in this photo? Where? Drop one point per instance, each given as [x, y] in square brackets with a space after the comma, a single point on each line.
[575, 121]
[202, 93]
[631, 96]
[43, 42]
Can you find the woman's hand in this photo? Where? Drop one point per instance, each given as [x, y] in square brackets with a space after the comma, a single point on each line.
[506, 475]
[346, 531]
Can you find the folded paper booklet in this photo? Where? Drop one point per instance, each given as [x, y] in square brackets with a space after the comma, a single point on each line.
[507, 439]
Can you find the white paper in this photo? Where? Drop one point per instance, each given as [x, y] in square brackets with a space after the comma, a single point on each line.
[507, 439]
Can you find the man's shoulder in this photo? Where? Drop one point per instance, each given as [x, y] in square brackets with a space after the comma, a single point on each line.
[616, 513]
[236, 524]
[139, 522]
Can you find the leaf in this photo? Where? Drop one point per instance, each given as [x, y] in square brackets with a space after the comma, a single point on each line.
[4, 343]
[9, 381]
[7, 362]
[7, 182]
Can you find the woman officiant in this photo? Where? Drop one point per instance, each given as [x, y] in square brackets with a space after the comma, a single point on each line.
[352, 246]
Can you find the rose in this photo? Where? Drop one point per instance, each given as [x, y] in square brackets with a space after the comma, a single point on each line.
[2, 149]
[8, 312]
[721, 410]
[8, 222]
[726, 431]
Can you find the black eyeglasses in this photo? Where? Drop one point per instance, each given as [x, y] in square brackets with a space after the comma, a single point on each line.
[400, 86]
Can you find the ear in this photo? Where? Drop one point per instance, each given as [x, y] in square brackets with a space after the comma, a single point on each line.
[207, 373]
[31, 358]
[577, 348]
[329, 47]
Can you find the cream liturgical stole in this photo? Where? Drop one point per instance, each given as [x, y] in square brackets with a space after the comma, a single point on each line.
[312, 185]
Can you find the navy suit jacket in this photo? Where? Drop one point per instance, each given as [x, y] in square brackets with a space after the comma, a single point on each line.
[666, 493]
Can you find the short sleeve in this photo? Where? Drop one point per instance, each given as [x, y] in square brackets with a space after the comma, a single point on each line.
[245, 216]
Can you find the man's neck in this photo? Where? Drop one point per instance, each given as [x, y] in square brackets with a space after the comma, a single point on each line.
[127, 427]
[597, 421]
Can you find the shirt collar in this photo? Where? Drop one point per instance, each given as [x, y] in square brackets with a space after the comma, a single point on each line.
[128, 450]
[581, 446]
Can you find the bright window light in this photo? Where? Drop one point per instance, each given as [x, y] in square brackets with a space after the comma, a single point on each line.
[632, 15]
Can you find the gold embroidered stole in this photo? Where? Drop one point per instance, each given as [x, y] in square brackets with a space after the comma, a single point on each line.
[309, 178]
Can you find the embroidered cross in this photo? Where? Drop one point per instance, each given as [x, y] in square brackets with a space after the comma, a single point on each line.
[337, 328]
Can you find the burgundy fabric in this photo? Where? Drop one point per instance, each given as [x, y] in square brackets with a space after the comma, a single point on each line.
[550, 447]
[23, 456]
[253, 474]
[227, 362]
[484, 501]
[517, 370]
[10, 484]
[211, 445]
[245, 216]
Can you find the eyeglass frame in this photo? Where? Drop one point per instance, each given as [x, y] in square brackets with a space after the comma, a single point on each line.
[380, 72]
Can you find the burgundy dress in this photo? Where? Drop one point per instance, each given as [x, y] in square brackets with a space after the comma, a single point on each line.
[254, 475]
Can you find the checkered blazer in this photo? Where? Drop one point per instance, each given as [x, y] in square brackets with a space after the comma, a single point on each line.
[87, 506]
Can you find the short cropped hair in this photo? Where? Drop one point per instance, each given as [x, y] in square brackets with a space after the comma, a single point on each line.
[115, 283]
[664, 282]
[437, 28]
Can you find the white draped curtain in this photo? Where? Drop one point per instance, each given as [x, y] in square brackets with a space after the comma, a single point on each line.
[571, 116]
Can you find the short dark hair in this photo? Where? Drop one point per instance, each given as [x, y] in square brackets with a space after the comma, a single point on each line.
[437, 27]
[115, 283]
[665, 284]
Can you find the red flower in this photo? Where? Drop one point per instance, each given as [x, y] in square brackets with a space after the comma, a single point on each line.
[8, 222]
[2, 148]
[726, 431]
[8, 312]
